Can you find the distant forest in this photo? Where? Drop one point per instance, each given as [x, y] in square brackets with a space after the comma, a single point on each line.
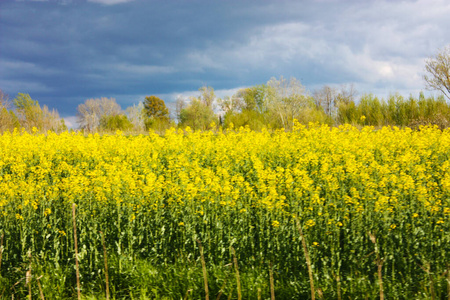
[273, 105]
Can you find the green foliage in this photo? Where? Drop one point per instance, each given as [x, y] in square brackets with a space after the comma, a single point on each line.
[28, 110]
[370, 107]
[157, 114]
[115, 122]
[159, 125]
[347, 112]
[251, 118]
[23, 102]
[30, 114]
[154, 107]
[397, 111]
[197, 115]
[257, 98]
[8, 120]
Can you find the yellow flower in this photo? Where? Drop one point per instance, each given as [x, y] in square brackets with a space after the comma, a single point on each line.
[181, 224]
[275, 224]
[310, 223]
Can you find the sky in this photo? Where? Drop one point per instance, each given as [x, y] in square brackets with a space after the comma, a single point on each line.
[63, 52]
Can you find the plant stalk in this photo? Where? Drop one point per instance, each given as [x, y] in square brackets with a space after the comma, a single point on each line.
[205, 274]
[238, 279]
[105, 255]
[76, 251]
[1, 252]
[272, 285]
[308, 260]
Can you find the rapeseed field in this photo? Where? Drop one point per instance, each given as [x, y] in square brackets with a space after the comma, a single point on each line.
[371, 206]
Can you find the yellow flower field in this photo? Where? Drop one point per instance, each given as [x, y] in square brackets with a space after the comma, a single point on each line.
[363, 198]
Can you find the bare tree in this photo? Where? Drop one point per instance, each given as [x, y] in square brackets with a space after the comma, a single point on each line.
[92, 110]
[7, 121]
[347, 93]
[136, 116]
[326, 99]
[208, 96]
[51, 120]
[438, 72]
[180, 104]
[287, 99]
[4, 99]
[231, 104]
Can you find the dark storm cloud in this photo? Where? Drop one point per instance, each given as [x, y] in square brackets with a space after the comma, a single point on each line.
[63, 52]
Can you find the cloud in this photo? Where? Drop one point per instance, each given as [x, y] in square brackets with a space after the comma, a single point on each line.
[71, 122]
[110, 2]
[65, 54]
[141, 70]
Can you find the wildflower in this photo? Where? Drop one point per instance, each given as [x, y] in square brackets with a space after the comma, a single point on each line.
[310, 223]
[275, 224]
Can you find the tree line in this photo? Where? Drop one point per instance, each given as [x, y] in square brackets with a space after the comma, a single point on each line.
[275, 104]
[24, 112]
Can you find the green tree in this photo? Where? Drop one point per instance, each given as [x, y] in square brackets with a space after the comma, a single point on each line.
[154, 107]
[28, 111]
[438, 72]
[249, 107]
[8, 120]
[347, 112]
[197, 115]
[156, 112]
[30, 114]
[372, 109]
[115, 122]
[256, 98]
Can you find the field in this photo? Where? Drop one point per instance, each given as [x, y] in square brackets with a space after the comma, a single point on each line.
[344, 212]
